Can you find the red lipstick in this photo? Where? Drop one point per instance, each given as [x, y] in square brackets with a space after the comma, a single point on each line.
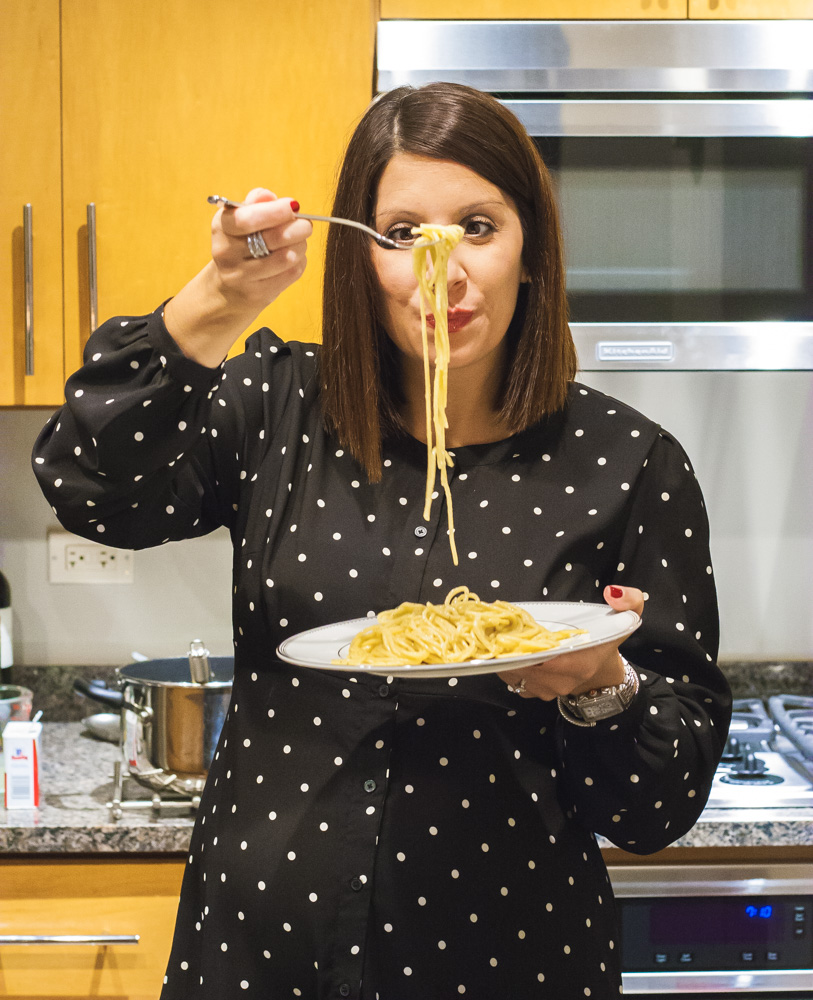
[458, 318]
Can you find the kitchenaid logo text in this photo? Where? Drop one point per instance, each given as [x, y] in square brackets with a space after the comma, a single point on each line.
[635, 350]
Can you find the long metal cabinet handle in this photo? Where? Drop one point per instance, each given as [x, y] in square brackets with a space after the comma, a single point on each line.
[28, 271]
[95, 939]
[93, 288]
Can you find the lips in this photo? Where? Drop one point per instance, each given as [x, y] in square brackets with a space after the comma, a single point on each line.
[458, 318]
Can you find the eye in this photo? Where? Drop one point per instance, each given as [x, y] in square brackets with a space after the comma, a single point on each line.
[478, 228]
[401, 232]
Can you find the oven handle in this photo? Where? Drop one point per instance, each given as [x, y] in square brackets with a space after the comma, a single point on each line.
[652, 118]
[688, 983]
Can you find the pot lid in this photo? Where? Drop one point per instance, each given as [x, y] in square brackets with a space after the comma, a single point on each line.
[174, 671]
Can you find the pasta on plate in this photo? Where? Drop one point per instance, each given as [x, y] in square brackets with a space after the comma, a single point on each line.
[462, 628]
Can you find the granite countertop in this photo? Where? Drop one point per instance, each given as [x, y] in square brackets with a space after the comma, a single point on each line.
[76, 784]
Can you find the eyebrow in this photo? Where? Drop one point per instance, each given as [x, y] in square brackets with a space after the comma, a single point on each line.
[462, 212]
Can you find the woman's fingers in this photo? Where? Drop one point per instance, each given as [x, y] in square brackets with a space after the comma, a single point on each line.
[624, 598]
[259, 279]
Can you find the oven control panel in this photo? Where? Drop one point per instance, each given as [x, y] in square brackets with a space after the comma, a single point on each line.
[702, 933]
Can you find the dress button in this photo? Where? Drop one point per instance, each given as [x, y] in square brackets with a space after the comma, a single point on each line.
[421, 531]
[370, 785]
[356, 884]
[383, 691]
[344, 990]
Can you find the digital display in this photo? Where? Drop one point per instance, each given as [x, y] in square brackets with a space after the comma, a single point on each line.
[716, 932]
[721, 919]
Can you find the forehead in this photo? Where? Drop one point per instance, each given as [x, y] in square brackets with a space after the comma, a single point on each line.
[422, 185]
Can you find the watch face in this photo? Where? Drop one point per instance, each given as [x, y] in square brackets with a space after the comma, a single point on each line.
[601, 707]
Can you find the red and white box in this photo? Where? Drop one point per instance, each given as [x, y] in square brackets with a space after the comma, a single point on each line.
[21, 752]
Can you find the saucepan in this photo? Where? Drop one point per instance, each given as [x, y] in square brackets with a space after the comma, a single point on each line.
[172, 712]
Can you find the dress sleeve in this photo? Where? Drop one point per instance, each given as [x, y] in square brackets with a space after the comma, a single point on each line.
[146, 448]
[642, 778]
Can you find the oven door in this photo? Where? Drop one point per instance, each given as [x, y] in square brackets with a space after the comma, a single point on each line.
[688, 229]
[706, 930]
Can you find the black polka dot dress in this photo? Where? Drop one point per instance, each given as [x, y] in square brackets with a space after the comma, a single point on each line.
[378, 838]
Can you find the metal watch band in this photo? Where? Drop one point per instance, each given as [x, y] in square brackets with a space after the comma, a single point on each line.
[603, 703]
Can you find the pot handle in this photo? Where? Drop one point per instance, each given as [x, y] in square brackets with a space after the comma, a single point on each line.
[98, 691]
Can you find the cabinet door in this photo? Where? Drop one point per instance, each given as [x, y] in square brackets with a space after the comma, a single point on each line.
[166, 103]
[30, 168]
[751, 9]
[89, 898]
[534, 9]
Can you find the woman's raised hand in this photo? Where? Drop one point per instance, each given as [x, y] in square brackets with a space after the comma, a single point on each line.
[259, 280]
[211, 312]
[579, 670]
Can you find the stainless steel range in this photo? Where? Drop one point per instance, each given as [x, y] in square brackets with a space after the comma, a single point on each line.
[768, 759]
[732, 929]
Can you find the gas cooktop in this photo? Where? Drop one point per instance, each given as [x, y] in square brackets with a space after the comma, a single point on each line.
[768, 758]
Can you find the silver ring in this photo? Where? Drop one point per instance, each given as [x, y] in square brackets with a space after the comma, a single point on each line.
[256, 245]
[517, 688]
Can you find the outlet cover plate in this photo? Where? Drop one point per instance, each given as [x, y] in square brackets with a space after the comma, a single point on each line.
[72, 559]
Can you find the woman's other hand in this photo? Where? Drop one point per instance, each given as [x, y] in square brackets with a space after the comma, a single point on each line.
[579, 670]
[208, 315]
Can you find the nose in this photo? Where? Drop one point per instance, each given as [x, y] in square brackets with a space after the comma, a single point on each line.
[456, 271]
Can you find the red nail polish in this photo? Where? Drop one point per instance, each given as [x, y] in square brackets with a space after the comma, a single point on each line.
[294, 206]
[616, 592]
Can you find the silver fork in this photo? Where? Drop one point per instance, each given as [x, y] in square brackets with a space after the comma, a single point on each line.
[218, 199]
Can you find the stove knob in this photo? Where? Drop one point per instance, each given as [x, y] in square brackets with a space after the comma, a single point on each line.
[752, 765]
[732, 750]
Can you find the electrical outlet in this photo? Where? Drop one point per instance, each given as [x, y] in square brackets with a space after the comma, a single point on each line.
[72, 559]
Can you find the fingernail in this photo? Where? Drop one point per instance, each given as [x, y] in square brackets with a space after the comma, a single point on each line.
[616, 592]
[294, 206]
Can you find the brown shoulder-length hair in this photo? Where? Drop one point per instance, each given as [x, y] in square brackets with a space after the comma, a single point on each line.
[360, 374]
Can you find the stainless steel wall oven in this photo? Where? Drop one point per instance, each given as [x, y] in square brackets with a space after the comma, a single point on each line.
[682, 154]
[706, 930]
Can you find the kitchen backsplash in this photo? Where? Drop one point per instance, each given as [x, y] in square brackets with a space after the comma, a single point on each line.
[748, 435]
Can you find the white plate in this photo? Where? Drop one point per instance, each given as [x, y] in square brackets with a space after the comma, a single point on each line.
[319, 647]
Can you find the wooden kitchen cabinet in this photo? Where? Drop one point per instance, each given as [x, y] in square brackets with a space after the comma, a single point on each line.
[30, 169]
[534, 9]
[751, 9]
[161, 105]
[88, 897]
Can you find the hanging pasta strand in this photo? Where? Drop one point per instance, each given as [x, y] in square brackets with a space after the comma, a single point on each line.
[431, 267]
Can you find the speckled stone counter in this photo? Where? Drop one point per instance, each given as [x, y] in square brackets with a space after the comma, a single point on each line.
[77, 784]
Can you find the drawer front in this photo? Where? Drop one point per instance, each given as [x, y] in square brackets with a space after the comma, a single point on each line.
[93, 901]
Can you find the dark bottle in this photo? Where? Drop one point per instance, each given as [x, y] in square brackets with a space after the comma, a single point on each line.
[6, 653]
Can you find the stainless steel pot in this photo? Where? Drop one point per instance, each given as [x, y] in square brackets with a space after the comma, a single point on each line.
[170, 725]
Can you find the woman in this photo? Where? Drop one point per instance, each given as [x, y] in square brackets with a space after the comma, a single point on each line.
[362, 837]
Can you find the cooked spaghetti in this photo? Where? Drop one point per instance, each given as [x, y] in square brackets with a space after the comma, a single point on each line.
[430, 264]
[462, 628]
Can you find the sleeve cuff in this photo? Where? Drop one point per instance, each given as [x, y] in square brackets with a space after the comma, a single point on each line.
[178, 366]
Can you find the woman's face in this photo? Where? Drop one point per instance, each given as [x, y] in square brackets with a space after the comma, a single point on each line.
[485, 269]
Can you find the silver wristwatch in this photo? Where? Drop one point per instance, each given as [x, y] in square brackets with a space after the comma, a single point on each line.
[602, 703]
